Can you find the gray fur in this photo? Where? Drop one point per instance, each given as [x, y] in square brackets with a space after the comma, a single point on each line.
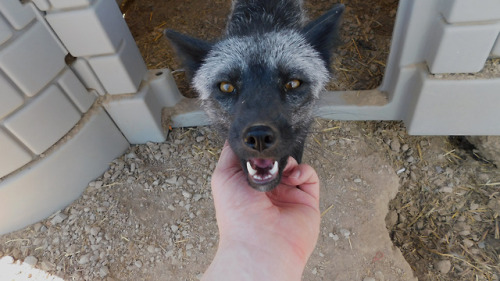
[286, 49]
[269, 15]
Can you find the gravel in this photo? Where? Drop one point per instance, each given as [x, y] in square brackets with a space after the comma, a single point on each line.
[151, 214]
[113, 230]
[491, 70]
[58, 218]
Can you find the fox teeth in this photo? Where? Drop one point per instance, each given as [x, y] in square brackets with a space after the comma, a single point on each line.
[251, 170]
[274, 170]
[253, 173]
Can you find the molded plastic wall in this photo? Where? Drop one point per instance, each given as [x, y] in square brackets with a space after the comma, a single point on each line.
[55, 133]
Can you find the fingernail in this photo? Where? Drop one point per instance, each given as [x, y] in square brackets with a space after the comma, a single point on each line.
[296, 174]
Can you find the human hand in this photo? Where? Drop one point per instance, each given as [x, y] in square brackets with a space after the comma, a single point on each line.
[273, 232]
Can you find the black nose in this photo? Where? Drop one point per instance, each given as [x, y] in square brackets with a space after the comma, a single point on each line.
[259, 138]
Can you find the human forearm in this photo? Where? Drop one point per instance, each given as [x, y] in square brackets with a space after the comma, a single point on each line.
[241, 261]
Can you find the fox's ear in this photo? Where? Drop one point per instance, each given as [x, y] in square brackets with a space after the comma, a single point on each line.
[190, 50]
[323, 33]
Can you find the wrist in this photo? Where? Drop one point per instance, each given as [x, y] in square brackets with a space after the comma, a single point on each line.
[242, 260]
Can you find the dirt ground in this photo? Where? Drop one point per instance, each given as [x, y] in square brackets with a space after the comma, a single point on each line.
[151, 217]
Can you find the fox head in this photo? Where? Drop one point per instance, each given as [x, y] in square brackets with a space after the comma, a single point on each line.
[259, 88]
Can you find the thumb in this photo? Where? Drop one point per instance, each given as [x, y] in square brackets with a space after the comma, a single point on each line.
[227, 159]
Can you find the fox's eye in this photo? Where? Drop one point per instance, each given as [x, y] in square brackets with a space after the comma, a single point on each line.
[226, 87]
[292, 84]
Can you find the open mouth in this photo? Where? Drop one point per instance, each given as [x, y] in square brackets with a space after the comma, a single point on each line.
[262, 171]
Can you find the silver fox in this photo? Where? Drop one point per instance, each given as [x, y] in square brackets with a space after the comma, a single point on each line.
[259, 83]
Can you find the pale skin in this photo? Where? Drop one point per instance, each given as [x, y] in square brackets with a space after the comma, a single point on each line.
[263, 236]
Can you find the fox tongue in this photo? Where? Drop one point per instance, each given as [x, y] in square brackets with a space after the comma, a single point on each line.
[261, 163]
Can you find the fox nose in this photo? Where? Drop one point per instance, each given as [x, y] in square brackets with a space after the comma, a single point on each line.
[259, 138]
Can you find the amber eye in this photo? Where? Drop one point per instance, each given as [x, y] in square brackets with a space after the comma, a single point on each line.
[226, 87]
[292, 84]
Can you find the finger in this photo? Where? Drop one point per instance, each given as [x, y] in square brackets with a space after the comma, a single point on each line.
[227, 159]
[291, 196]
[227, 167]
[229, 183]
[290, 165]
[304, 177]
[288, 194]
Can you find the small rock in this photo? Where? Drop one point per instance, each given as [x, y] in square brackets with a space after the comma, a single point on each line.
[37, 227]
[84, 259]
[56, 241]
[443, 266]
[494, 204]
[104, 271]
[31, 260]
[405, 147]
[186, 194]
[95, 230]
[180, 181]
[464, 233]
[200, 139]
[481, 245]
[468, 243]
[174, 228]
[335, 237]
[151, 249]
[16, 253]
[98, 184]
[138, 264]
[197, 197]
[172, 180]
[58, 218]
[357, 180]
[395, 145]
[474, 206]
[368, 279]
[169, 254]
